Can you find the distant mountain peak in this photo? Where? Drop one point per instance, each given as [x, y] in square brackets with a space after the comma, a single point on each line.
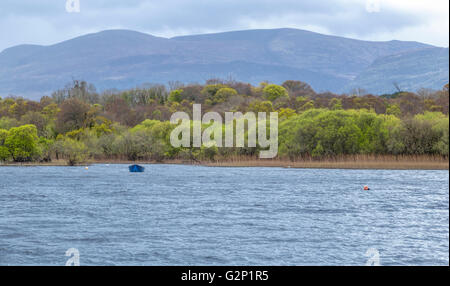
[124, 58]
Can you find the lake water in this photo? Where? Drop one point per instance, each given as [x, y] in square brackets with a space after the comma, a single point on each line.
[191, 215]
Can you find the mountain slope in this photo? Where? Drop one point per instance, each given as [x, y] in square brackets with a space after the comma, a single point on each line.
[298, 48]
[426, 68]
[124, 59]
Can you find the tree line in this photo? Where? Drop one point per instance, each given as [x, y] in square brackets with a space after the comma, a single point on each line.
[77, 123]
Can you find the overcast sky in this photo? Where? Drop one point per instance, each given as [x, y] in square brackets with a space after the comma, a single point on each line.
[47, 21]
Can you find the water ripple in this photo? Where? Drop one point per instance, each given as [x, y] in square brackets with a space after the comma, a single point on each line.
[190, 215]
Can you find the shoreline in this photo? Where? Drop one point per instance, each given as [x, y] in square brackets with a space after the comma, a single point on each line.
[404, 163]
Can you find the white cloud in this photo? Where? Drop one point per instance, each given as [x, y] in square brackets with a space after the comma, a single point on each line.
[373, 6]
[434, 18]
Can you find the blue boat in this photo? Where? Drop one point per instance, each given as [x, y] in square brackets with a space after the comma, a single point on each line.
[136, 169]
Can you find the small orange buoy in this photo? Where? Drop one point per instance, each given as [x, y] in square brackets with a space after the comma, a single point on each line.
[366, 188]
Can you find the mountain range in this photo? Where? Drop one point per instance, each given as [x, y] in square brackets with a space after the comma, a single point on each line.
[123, 59]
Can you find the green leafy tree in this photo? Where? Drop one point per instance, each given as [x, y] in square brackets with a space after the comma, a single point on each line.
[261, 106]
[22, 143]
[393, 109]
[37, 119]
[46, 148]
[74, 151]
[419, 137]
[286, 113]
[176, 95]
[7, 123]
[440, 129]
[4, 152]
[306, 106]
[50, 111]
[318, 151]
[223, 94]
[336, 104]
[210, 90]
[273, 92]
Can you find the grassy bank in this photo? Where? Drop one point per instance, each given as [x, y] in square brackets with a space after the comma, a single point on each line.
[423, 162]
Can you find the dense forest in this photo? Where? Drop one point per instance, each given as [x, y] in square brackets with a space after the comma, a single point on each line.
[78, 124]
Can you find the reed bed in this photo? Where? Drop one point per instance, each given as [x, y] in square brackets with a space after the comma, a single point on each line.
[399, 162]
[407, 162]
